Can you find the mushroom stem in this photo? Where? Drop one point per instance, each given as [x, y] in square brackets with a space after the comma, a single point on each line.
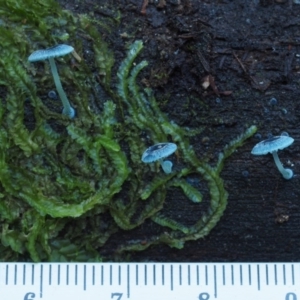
[68, 109]
[286, 173]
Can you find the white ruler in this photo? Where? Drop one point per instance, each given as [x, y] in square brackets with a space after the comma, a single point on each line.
[145, 281]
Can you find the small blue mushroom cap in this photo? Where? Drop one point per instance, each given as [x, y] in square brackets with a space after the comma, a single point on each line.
[167, 166]
[52, 95]
[158, 151]
[59, 50]
[274, 143]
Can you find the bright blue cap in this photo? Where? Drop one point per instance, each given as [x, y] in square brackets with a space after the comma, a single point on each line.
[59, 50]
[272, 144]
[158, 151]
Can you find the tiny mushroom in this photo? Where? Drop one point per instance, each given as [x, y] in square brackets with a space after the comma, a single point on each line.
[272, 145]
[50, 53]
[158, 152]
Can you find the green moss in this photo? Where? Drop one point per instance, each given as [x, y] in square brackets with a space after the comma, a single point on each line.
[67, 185]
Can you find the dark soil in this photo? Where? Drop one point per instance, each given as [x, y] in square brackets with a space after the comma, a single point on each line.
[249, 52]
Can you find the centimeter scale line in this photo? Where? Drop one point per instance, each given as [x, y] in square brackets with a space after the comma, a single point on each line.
[202, 281]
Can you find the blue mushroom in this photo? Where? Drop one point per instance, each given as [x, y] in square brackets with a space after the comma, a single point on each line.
[167, 166]
[50, 53]
[158, 152]
[272, 145]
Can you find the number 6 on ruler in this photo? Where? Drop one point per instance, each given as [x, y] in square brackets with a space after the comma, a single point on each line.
[31, 295]
[204, 296]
